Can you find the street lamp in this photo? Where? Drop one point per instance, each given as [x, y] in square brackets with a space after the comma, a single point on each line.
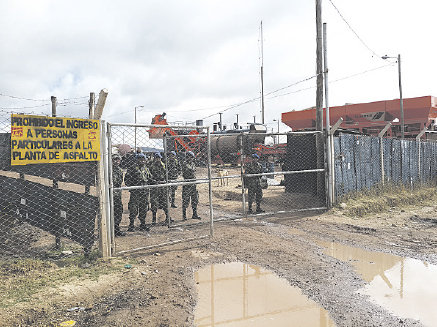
[135, 142]
[400, 92]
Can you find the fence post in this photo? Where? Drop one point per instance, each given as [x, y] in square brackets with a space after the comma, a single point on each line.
[331, 172]
[418, 155]
[110, 185]
[211, 210]
[103, 194]
[243, 192]
[381, 150]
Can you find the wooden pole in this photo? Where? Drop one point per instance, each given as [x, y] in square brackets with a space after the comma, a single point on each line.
[319, 64]
[262, 76]
[91, 105]
[53, 99]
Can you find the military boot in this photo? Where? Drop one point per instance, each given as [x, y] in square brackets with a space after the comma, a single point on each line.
[143, 226]
[184, 213]
[195, 216]
[167, 218]
[154, 218]
[131, 226]
[118, 232]
[250, 209]
[258, 208]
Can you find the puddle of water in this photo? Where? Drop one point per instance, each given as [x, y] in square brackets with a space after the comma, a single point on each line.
[238, 294]
[404, 286]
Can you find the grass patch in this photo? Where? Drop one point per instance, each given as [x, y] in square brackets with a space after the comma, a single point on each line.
[380, 199]
[20, 279]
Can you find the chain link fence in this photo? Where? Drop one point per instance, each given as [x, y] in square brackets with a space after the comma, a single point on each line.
[259, 173]
[160, 182]
[45, 209]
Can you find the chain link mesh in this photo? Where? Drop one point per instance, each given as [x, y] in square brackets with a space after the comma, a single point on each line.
[162, 182]
[45, 208]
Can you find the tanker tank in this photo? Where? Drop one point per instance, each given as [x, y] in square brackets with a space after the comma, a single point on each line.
[227, 144]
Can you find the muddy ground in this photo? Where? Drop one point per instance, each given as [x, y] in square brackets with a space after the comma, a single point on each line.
[158, 288]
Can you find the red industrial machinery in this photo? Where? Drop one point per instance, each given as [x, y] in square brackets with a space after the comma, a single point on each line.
[370, 118]
[225, 145]
[186, 140]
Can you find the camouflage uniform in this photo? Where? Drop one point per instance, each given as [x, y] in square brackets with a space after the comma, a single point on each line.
[117, 180]
[139, 199]
[189, 191]
[174, 170]
[253, 185]
[158, 195]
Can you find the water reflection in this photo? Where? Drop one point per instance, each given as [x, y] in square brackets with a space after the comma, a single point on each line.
[406, 287]
[238, 294]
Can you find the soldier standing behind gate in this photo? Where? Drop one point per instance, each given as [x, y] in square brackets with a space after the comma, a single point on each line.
[117, 180]
[253, 184]
[174, 170]
[139, 199]
[189, 191]
[158, 195]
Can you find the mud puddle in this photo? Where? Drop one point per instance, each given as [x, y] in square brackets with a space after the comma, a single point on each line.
[238, 294]
[404, 286]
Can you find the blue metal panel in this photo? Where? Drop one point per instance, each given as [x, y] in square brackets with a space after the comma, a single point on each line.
[338, 158]
[366, 169]
[405, 165]
[388, 145]
[376, 161]
[358, 162]
[396, 161]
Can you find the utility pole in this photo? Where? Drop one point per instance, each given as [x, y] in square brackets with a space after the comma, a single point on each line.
[254, 119]
[237, 120]
[401, 99]
[319, 63]
[53, 99]
[91, 105]
[262, 75]
[221, 123]
[328, 121]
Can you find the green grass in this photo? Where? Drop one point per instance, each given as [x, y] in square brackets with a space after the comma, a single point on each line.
[22, 278]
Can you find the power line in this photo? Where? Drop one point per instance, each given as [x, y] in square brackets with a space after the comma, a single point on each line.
[257, 98]
[334, 81]
[20, 98]
[15, 108]
[353, 31]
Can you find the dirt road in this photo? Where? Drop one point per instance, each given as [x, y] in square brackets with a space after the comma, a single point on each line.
[159, 288]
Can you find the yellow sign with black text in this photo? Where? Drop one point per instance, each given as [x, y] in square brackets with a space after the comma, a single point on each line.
[41, 139]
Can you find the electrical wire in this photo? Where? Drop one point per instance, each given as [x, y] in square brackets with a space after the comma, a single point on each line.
[20, 98]
[334, 81]
[16, 108]
[353, 31]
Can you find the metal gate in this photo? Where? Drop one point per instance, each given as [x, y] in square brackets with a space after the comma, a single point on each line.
[291, 172]
[177, 162]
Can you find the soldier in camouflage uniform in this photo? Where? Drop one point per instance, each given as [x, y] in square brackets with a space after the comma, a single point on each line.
[139, 199]
[189, 191]
[158, 195]
[174, 170]
[117, 180]
[253, 184]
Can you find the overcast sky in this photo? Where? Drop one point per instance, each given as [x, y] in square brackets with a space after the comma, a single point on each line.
[195, 58]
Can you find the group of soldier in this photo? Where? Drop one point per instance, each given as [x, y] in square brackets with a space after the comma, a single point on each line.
[144, 171]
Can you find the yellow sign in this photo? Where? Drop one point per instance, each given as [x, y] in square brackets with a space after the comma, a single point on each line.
[41, 139]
